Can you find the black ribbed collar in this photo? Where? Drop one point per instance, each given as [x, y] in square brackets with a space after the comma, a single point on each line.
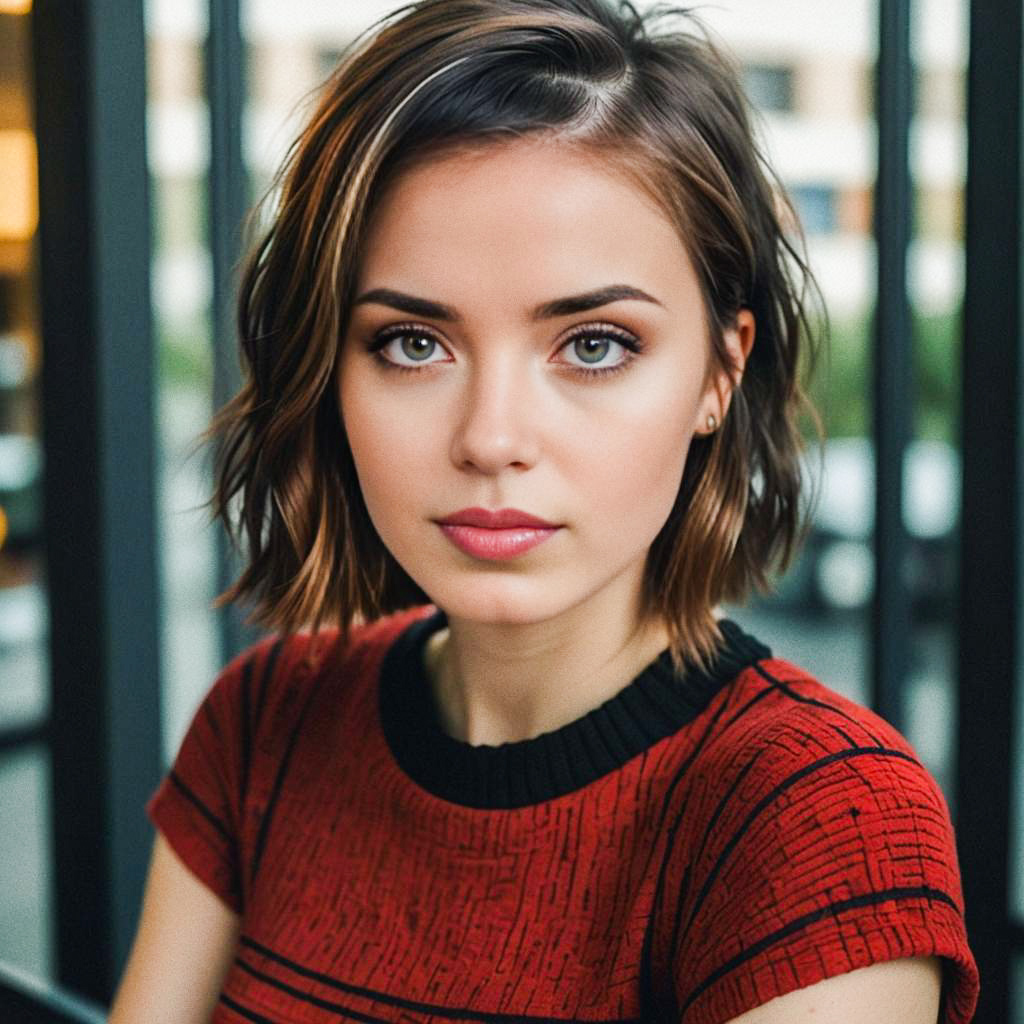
[654, 705]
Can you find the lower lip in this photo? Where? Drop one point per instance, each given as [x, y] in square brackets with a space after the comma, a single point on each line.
[483, 543]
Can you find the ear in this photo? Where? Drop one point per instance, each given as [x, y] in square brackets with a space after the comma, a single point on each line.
[739, 340]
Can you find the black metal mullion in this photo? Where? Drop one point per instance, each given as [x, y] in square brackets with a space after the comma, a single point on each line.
[992, 531]
[99, 507]
[228, 203]
[892, 369]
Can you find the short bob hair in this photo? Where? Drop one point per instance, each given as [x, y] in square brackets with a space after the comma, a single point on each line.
[667, 107]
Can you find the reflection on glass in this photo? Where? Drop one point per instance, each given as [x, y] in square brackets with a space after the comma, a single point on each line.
[23, 613]
[178, 149]
[25, 882]
[935, 280]
[25, 890]
[809, 80]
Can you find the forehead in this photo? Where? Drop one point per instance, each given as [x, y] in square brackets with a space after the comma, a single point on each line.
[526, 212]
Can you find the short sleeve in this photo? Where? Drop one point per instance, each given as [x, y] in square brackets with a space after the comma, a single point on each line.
[824, 846]
[198, 804]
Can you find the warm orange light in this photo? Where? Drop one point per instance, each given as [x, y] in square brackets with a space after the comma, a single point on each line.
[15, 6]
[19, 206]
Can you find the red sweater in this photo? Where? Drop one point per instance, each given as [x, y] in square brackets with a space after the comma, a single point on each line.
[690, 849]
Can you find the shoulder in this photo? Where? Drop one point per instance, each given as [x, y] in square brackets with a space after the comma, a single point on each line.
[783, 724]
[816, 842]
[792, 759]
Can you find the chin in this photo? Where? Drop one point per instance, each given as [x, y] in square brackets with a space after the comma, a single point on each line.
[497, 602]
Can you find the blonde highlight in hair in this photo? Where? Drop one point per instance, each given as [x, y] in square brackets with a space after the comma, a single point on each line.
[658, 100]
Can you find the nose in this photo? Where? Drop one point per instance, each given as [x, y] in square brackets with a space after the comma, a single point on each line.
[497, 423]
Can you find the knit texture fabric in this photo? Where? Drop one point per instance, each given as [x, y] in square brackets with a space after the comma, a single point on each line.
[692, 848]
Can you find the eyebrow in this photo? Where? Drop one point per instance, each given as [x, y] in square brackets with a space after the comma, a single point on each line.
[566, 306]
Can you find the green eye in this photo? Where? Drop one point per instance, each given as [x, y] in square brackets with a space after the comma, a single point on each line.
[412, 350]
[592, 349]
[416, 343]
[591, 345]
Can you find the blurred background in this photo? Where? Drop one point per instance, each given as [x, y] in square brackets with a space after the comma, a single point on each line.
[221, 92]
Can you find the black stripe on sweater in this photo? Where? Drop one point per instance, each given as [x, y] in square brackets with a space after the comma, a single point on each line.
[244, 1011]
[919, 892]
[305, 997]
[282, 771]
[453, 1012]
[771, 797]
[647, 994]
[784, 687]
[246, 731]
[252, 710]
[204, 810]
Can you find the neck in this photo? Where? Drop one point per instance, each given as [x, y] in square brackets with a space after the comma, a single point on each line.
[497, 683]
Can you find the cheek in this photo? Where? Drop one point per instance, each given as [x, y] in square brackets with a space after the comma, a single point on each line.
[634, 467]
[370, 437]
[393, 443]
[642, 472]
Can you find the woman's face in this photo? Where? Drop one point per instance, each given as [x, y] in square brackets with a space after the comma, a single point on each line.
[580, 416]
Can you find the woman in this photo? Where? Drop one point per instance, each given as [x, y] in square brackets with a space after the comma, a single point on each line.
[522, 345]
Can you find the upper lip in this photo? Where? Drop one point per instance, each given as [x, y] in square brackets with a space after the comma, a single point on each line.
[503, 519]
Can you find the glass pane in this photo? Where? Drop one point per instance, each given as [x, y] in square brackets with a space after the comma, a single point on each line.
[932, 468]
[809, 78]
[25, 867]
[291, 51]
[23, 610]
[178, 144]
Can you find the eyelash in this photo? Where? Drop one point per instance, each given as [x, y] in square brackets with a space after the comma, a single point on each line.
[632, 346]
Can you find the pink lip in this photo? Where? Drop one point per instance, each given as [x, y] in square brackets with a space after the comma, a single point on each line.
[482, 542]
[503, 519]
[502, 534]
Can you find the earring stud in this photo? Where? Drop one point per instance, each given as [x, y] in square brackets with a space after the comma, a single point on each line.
[712, 423]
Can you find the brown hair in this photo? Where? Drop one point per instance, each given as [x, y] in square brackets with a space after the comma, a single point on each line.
[667, 106]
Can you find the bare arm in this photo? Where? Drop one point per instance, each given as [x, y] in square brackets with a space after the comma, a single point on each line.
[182, 951]
[905, 990]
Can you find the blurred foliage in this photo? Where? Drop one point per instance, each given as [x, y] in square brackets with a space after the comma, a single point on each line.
[841, 385]
[185, 357]
[937, 344]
